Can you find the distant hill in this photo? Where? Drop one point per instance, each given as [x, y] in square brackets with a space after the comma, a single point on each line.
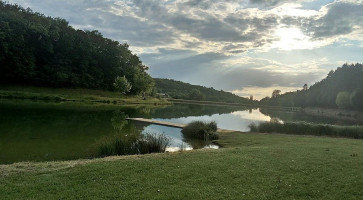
[181, 90]
[342, 88]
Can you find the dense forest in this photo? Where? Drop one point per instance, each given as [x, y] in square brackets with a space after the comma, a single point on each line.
[342, 88]
[181, 90]
[45, 51]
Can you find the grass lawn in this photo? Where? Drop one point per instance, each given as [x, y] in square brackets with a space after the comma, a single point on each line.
[67, 94]
[251, 166]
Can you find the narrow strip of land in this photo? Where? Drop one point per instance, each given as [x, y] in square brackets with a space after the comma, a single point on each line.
[170, 124]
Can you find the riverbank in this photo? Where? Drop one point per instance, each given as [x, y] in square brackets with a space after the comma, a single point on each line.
[74, 95]
[250, 166]
[342, 114]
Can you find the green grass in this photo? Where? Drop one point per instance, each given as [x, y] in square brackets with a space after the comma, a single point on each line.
[251, 166]
[304, 128]
[69, 94]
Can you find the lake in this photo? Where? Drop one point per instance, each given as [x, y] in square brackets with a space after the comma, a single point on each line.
[41, 131]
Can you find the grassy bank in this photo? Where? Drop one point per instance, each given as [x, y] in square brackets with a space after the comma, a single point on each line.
[75, 95]
[251, 166]
[304, 128]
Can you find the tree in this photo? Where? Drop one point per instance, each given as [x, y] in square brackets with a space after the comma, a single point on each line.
[195, 94]
[343, 100]
[122, 85]
[143, 83]
[356, 98]
[324, 93]
[305, 87]
[46, 51]
[275, 93]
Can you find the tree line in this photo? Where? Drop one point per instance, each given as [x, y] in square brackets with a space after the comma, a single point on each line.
[342, 88]
[45, 51]
[181, 90]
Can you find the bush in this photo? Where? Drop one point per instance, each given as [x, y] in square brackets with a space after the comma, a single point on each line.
[303, 128]
[201, 130]
[152, 143]
[148, 143]
[343, 100]
[253, 127]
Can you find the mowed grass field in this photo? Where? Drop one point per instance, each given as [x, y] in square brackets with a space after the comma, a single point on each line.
[250, 166]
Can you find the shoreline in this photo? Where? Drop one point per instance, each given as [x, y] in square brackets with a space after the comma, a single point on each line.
[351, 115]
[74, 95]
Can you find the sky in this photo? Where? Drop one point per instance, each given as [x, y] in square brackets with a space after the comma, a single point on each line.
[248, 47]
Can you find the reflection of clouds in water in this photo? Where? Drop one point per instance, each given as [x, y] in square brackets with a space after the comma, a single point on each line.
[211, 146]
[255, 115]
[184, 148]
[177, 142]
[238, 120]
[174, 149]
[176, 138]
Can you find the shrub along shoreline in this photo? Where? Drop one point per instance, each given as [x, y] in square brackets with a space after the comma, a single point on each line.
[201, 130]
[144, 144]
[304, 128]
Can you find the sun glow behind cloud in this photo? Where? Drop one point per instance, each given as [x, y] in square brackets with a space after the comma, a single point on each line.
[293, 38]
[252, 44]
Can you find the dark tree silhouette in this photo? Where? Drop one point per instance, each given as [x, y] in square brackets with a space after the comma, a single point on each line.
[275, 93]
[46, 51]
[305, 87]
[347, 79]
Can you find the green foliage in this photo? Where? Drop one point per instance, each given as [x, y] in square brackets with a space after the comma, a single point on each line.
[131, 144]
[201, 130]
[180, 90]
[45, 51]
[195, 94]
[143, 83]
[343, 100]
[356, 99]
[122, 85]
[152, 143]
[348, 78]
[275, 93]
[303, 128]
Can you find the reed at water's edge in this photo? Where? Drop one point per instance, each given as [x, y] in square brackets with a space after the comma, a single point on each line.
[304, 128]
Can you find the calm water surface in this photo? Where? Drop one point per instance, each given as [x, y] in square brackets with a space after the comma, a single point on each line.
[40, 131]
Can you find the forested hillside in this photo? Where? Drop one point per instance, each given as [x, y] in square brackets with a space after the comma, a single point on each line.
[46, 51]
[342, 88]
[181, 90]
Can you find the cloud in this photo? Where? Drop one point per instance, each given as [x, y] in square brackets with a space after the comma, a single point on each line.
[226, 44]
[262, 92]
[269, 3]
[231, 73]
[341, 18]
[210, 26]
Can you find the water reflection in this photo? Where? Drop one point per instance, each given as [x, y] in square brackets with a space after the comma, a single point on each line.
[252, 115]
[118, 120]
[236, 120]
[177, 141]
[38, 131]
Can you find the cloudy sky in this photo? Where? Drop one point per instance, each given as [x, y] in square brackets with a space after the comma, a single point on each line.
[249, 47]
